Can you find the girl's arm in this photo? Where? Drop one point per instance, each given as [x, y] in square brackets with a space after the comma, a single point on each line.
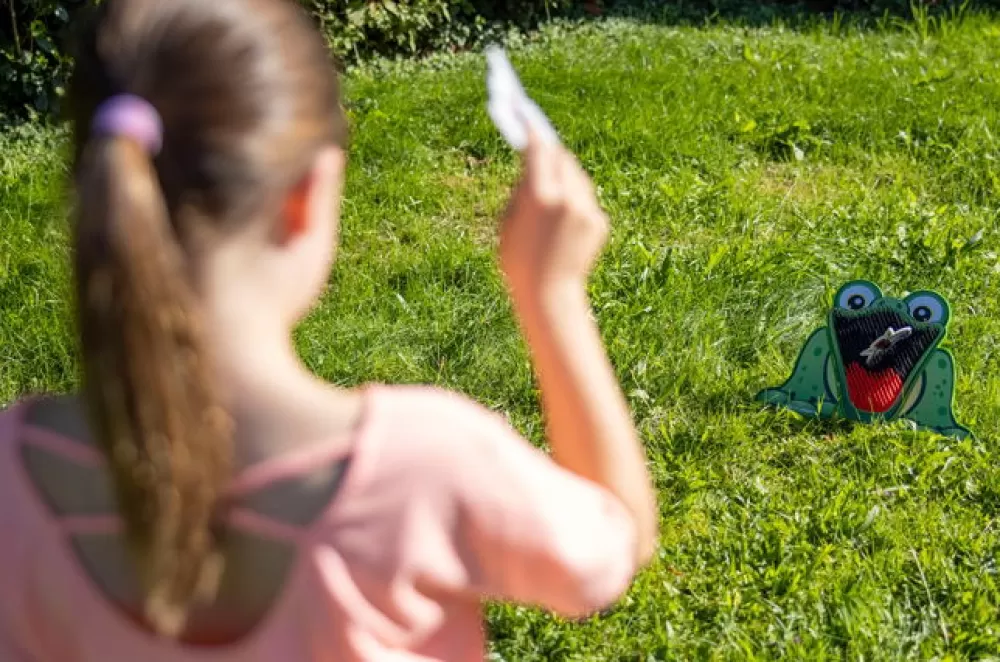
[552, 234]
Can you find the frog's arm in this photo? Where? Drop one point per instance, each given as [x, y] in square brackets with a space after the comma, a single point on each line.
[806, 391]
[934, 409]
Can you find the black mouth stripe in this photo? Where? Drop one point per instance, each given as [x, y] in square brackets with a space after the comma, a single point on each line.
[856, 331]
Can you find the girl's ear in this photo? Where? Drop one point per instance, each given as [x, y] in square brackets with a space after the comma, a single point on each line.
[295, 212]
[310, 201]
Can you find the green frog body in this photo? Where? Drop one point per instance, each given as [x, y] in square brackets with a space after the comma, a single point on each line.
[878, 358]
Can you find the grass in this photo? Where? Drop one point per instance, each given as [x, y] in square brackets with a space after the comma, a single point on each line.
[749, 173]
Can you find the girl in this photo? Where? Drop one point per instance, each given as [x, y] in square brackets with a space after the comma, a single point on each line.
[205, 497]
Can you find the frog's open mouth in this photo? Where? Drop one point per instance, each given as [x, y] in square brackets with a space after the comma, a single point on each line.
[875, 379]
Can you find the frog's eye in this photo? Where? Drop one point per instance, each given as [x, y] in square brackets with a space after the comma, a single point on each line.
[926, 307]
[857, 296]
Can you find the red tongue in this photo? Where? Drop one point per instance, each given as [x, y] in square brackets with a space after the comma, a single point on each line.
[873, 392]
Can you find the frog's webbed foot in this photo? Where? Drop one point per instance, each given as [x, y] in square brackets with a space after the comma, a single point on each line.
[806, 391]
[812, 407]
[934, 408]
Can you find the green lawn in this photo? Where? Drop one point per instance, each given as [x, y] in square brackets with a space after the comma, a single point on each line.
[748, 173]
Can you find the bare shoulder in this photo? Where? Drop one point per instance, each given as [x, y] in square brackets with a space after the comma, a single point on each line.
[419, 396]
[430, 421]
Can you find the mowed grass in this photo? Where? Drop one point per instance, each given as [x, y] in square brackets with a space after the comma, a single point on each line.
[748, 173]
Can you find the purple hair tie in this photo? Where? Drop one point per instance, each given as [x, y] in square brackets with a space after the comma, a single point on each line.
[129, 116]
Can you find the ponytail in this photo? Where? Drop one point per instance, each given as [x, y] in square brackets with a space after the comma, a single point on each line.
[222, 96]
[148, 384]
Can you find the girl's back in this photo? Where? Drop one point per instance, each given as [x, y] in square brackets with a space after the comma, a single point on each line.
[205, 496]
[375, 545]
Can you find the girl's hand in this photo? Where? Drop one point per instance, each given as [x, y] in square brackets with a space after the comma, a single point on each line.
[553, 229]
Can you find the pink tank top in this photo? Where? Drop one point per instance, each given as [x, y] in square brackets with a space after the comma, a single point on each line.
[442, 505]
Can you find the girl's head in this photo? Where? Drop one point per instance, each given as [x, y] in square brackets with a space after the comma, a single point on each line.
[239, 204]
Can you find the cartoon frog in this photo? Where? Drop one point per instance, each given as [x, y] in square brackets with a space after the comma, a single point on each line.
[877, 358]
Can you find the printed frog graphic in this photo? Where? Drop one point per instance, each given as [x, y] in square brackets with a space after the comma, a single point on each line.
[877, 358]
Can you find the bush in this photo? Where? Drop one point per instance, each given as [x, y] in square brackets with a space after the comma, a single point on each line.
[357, 29]
[34, 66]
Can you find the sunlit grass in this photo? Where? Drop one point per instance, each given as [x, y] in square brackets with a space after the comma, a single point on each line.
[749, 173]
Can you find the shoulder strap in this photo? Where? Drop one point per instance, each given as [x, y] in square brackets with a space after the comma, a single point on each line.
[281, 468]
[262, 520]
[60, 445]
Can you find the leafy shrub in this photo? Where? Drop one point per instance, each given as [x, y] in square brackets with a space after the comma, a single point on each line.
[34, 66]
[360, 28]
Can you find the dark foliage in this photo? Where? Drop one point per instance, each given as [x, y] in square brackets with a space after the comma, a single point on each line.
[34, 63]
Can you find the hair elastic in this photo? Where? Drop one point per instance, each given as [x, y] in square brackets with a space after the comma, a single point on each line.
[130, 116]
